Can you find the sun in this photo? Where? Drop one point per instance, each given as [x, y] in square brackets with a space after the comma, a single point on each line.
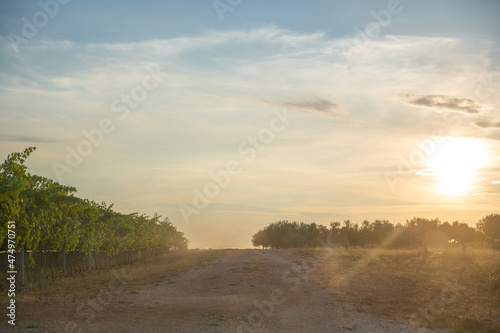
[455, 165]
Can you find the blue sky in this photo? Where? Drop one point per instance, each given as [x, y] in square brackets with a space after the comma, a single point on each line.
[331, 110]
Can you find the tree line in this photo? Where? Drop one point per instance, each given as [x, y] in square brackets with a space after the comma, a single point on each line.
[416, 232]
[48, 216]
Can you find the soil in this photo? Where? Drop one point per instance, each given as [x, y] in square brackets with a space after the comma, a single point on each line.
[240, 291]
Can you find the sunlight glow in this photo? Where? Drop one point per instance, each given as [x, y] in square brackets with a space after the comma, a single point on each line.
[455, 164]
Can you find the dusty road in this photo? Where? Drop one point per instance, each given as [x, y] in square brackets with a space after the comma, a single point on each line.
[241, 291]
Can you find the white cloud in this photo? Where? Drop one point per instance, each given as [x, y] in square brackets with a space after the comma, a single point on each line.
[213, 98]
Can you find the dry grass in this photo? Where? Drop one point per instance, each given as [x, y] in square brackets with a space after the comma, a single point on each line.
[257, 267]
[148, 272]
[452, 289]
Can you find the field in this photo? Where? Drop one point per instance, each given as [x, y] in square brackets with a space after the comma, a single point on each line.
[292, 290]
[441, 289]
[90, 284]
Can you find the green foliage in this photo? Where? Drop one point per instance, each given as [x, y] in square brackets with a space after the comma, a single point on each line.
[285, 234]
[48, 216]
[417, 232]
[490, 227]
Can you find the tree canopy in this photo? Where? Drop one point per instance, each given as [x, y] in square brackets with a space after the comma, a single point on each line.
[49, 216]
[416, 232]
[490, 226]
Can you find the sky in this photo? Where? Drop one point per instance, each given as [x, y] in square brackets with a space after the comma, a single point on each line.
[228, 115]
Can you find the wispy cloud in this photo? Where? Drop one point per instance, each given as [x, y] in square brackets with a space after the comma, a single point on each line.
[310, 104]
[313, 104]
[445, 102]
[487, 124]
[220, 206]
[25, 138]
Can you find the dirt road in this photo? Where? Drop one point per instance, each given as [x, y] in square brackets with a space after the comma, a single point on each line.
[241, 291]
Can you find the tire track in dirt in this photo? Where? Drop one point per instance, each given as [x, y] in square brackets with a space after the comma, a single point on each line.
[241, 291]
